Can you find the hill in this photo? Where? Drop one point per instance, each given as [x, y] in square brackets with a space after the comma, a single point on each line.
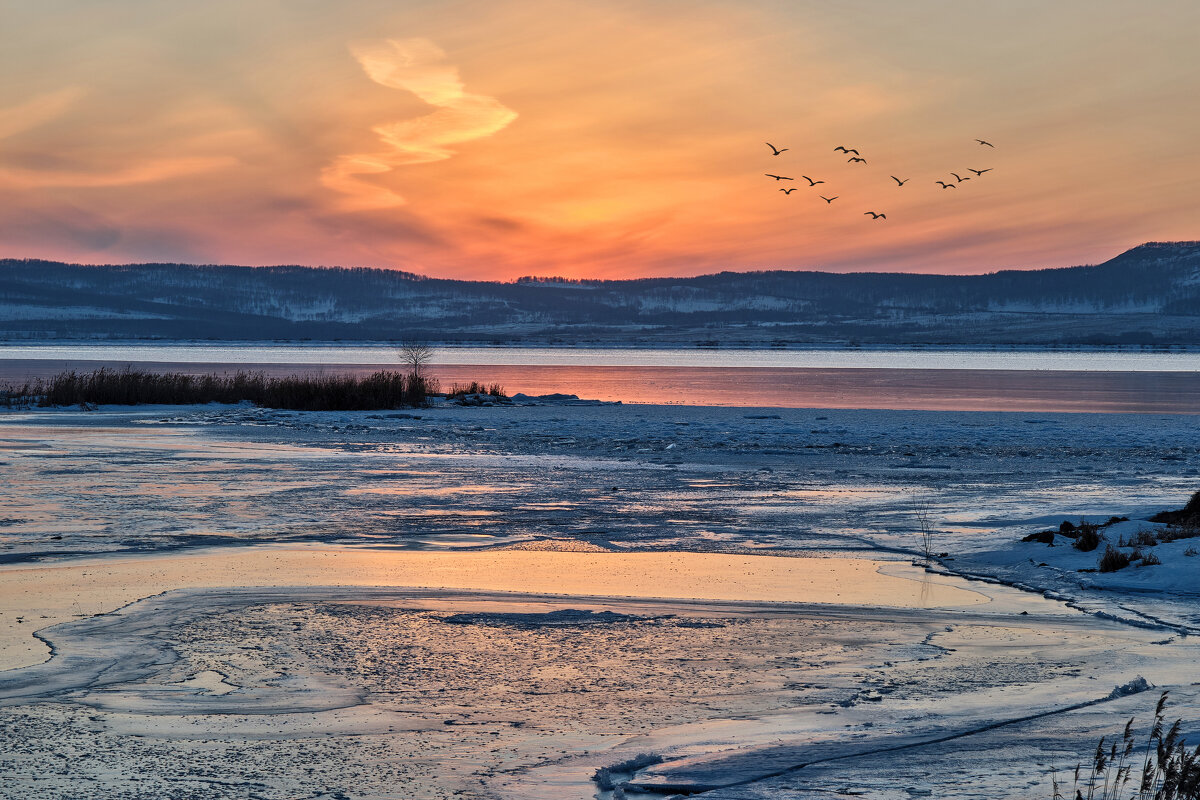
[1147, 295]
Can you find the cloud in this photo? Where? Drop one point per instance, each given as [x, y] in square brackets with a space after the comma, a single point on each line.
[146, 172]
[72, 229]
[37, 110]
[49, 106]
[417, 66]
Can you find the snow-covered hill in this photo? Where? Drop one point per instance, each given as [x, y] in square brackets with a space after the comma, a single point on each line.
[1147, 295]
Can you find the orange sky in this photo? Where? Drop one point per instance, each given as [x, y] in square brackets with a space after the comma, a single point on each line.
[502, 138]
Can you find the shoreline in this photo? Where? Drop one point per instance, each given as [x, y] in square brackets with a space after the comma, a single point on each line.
[806, 388]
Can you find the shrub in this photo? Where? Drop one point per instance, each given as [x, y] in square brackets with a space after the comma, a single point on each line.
[1088, 538]
[1149, 560]
[1188, 515]
[1113, 560]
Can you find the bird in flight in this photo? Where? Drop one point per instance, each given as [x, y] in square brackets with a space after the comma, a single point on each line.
[811, 182]
[874, 215]
[900, 182]
[946, 185]
[960, 180]
[982, 142]
[775, 150]
[788, 191]
[829, 199]
[981, 171]
[856, 158]
[778, 177]
[846, 150]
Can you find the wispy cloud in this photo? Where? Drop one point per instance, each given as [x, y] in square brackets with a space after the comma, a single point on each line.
[417, 66]
[47, 107]
[145, 172]
[37, 110]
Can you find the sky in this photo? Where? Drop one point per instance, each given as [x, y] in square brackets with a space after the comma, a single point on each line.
[597, 138]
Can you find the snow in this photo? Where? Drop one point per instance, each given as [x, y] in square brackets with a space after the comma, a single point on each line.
[792, 357]
[751, 700]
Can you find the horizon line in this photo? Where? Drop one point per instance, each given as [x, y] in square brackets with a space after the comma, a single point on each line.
[532, 279]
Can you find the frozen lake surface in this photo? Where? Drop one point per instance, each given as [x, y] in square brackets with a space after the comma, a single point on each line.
[315, 677]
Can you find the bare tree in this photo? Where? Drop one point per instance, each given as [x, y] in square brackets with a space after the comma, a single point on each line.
[415, 355]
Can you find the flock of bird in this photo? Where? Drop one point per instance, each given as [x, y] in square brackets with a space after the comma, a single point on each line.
[856, 158]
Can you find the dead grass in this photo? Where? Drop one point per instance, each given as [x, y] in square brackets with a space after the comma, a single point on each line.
[475, 387]
[1113, 560]
[1169, 771]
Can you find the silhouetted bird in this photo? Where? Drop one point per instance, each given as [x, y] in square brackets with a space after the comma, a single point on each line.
[811, 182]
[946, 185]
[900, 182]
[774, 150]
[829, 199]
[778, 177]
[989, 144]
[981, 171]
[845, 150]
[874, 215]
[788, 191]
[960, 180]
[850, 160]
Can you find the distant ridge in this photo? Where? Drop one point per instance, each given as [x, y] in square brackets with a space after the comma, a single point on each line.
[1148, 295]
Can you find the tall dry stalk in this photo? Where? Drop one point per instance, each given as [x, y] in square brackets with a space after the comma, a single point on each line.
[1169, 770]
[922, 513]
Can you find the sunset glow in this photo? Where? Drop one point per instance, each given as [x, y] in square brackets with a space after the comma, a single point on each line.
[492, 140]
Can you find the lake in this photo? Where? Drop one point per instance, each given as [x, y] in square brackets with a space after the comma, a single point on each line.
[962, 380]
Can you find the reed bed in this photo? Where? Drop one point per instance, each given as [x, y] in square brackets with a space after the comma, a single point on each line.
[475, 387]
[1169, 770]
[108, 386]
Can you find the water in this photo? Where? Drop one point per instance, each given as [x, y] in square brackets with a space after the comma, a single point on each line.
[942, 380]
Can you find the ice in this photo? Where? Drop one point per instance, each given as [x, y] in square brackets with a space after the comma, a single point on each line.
[533, 695]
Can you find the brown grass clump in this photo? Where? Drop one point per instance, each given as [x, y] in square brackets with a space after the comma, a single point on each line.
[1144, 539]
[1147, 559]
[1113, 560]
[1089, 537]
